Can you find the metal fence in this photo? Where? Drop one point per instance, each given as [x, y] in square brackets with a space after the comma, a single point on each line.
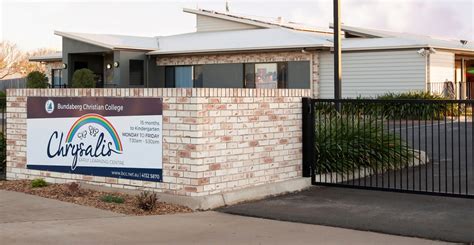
[453, 90]
[398, 145]
[2, 137]
[12, 83]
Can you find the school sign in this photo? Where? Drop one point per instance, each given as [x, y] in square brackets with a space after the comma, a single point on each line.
[104, 136]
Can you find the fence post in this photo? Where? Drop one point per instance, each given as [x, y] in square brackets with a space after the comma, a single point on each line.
[308, 137]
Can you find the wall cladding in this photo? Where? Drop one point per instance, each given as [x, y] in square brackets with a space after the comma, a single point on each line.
[214, 140]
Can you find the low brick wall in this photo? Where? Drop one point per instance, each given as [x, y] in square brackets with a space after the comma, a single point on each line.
[214, 140]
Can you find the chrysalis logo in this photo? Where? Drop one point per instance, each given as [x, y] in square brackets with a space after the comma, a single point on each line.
[90, 136]
[49, 106]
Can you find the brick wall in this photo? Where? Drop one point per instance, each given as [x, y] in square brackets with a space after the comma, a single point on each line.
[312, 56]
[214, 140]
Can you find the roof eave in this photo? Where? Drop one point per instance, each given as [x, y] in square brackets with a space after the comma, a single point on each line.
[45, 59]
[85, 40]
[279, 48]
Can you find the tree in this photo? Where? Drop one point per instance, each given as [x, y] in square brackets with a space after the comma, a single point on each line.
[26, 66]
[13, 61]
[10, 59]
[83, 78]
[36, 79]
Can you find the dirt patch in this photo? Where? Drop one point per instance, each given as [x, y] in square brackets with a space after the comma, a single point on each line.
[92, 198]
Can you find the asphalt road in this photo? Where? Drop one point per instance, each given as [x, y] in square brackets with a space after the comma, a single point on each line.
[425, 216]
[450, 149]
[449, 146]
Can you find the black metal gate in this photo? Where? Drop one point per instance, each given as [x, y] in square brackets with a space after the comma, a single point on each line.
[3, 146]
[420, 146]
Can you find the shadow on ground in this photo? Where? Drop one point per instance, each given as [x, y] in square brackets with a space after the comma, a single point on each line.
[432, 217]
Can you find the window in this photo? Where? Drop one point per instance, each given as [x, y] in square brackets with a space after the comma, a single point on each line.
[299, 74]
[198, 76]
[249, 75]
[266, 75]
[137, 76]
[182, 76]
[291, 74]
[223, 76]
[282, 74]
[56, 78]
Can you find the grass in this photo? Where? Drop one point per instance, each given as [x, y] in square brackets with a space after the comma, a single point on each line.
[112, 199]
[38, 183]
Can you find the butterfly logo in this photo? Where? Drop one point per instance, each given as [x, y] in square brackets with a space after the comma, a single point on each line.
[93, 131]
[82, 135]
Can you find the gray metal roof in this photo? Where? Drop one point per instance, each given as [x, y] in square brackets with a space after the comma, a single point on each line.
[113, 41]
[261, 21]
[395, 40]
[266, 38]
[255, 39]
[58, 56]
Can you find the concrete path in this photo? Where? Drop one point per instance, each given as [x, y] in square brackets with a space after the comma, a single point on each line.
[431, 217]
[26, 219]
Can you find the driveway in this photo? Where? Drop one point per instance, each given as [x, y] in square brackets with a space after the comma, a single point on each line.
[450, 149]
[431, 217]
[449, 146]
[26, 219]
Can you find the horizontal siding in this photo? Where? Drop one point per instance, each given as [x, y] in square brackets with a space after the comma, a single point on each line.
[206, 23]
[441, 69]
[368, 74]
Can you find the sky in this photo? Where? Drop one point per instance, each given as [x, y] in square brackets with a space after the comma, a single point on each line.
[31, 23]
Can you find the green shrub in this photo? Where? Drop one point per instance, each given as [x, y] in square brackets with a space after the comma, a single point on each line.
[412, 95]
[3, 101]
[112, 199]
[83, 78]
[405, 106]
[147, 201]
[36, 79]
[38, 183]
[344, 144]
[415, 111]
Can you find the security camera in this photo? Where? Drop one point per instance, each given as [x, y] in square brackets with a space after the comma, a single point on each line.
[463, 42]
[432, 51]
[421, 51]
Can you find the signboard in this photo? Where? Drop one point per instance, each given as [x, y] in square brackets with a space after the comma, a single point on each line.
[112, 137]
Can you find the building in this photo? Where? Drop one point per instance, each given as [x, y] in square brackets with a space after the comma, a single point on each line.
[237, 51]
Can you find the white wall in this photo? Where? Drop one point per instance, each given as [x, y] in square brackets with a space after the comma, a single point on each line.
[440, 68]
[206, 23]
[372, 73]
